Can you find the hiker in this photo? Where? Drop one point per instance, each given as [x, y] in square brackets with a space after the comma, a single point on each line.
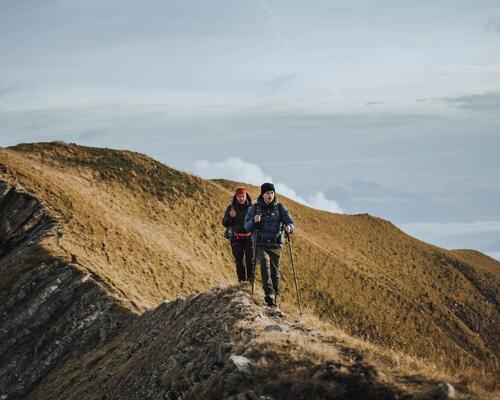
[270, 219]
[241, 240]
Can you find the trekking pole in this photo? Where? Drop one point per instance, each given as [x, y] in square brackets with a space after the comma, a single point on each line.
[245, 264]
[254, 261]
[294, 273]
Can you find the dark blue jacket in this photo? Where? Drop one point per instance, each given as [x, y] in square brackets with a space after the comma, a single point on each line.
[270, 229]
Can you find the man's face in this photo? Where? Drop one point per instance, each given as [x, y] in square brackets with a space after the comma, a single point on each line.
[241, 198]
[268, 197]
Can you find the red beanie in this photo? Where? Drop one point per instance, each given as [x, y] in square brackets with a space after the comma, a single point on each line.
[240, 191]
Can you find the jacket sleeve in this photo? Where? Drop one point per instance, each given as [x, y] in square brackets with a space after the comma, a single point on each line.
[249, 223]
[286, 217]
[227, 221]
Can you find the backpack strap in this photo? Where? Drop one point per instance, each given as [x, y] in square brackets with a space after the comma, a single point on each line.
[279, 206]
[281, 211]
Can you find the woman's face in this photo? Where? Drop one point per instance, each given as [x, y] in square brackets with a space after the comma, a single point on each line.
[241, 198]
[268, 197]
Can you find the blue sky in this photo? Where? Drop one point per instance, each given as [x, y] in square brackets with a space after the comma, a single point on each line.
[386, 107]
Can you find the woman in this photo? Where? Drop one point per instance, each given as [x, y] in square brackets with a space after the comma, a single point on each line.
[241, 240]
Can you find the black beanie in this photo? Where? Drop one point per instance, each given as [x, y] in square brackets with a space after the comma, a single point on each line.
[267, 187]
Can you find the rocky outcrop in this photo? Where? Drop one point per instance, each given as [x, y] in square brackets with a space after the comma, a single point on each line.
[50, 310]
[215, 345]
[22, 219]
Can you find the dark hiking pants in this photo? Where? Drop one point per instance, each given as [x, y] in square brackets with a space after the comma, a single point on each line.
[243, 255]
[269, 260]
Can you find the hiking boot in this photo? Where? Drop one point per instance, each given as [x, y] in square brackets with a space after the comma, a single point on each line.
[270, 301]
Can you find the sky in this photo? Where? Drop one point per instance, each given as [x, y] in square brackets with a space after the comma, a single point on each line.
[386, 107]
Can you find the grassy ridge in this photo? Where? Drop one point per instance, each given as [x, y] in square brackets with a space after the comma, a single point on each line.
[127, 168]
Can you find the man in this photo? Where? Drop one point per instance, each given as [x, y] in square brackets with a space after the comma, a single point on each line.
[270, 219]
[241, 240]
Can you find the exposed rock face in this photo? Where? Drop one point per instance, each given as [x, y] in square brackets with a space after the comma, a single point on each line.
[22, 219]
[53, 314]
[50, 311]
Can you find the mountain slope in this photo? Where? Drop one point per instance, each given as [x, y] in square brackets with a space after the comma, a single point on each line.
[144, 232]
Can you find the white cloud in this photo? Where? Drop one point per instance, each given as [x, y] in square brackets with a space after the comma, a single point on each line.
[494, 254]
[467, 67]
[234, 168]
[453, 229]
[319, 201]
[489, 101]
[493, 25]
[481, 235]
